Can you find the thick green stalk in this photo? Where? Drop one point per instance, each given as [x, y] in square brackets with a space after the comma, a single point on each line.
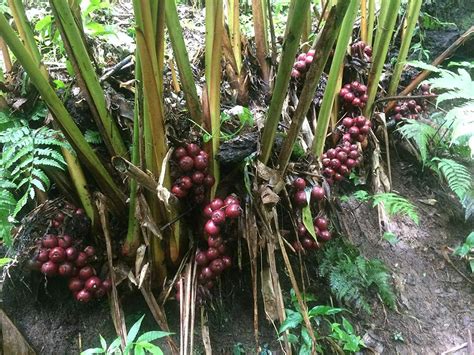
[412, 18]
[380, 20]
[290, 48]
[386, 31]
[182, 60]
[261, 43]
[213, 56]
[323, 48]
[234, 30]
[63, 118]
[331, 87]
[370, 22]
[86, 74]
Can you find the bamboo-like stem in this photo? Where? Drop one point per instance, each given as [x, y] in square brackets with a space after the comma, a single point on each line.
[290, 47]
[412, 18]
[182, 60]
[337, 61]
[261, 38]
[370, 22]
[85, 72]
[272, 33]
[214, 31]
[234, 31]
[6, 56]
[363, 20]
[323, 48]
[380, 21]
[306, 31]
[63, 118]
[385, 30]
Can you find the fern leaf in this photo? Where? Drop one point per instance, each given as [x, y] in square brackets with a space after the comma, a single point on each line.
[457, 176]
[421, 133]
[396, 205]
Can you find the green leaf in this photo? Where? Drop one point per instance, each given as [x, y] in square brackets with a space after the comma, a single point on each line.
[103, 343]
[323, 311]
[4, 261]
[391, 238]
[114, 346]
[93, 351]
[155, 350]
[308, 220]
[132, 334]
[153, 335]
[293, 320]
[347, 326]
[305, 336]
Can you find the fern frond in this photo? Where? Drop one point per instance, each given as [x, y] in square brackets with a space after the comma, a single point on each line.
[395, 204]
[456, 175]
[421, 133]
[7, 205]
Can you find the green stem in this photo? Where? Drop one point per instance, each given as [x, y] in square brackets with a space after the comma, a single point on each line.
[412, 18]
[331, 87]
[370, 22]
[290, 48]
[385, 30]
[323, 48]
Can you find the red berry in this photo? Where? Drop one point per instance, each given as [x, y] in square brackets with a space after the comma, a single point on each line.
[201, 258]
[50, 241]
[43, 255]
[217, 266]
[90, 251]
[317, 193]
[192, 149]
[335, 164]
[212, 253]
[307, 243]
[353, 131]
[180, 152]
[185, 182]
[49, 268]
[354, 154]
[227, 261]
[65, 269]
[360, 121]
[231, 199]
[308, 60]
[198, 177]
[216, 204]
[349, 97]
[218, 217]
[326, 162]
[299, 183]
[425, 87]
[302, 57]
[350, 163]
[311, 52]
[346, 137]
[343, 92]
[57, 255]
[207, 273]
[201, 162]
[300, 198]
[93, 283]
[355, 85]
[325, 235]
[86, 272]
[338, 177]
[107, 285]
[321, 223]
[364, 129]
[331, 153]
[362, 89]
[64, 241]
[71, 254]
[344, 170]
[207, 211]
[360, 138]
[59, 217]
[214, 241]
[186, 163]
[295, 73]
[178, 192]
[341, 156]
[356, 102]
[300, 65]
[79, 212]
[232, 210]
[55, 223]
[75, 284]
[222, 249]
[83, 296]
[328, 172]
[347, 122]
[211, 228]
[209, 180]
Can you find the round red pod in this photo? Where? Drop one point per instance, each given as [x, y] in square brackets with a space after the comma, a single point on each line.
[207, 273]
[55, 224]
[350, 163]
[346, 137]
[307, 243]
[360, 121]
[368, 51]
[71, 254]
[311, 52]
[301, 230]
[43, 255]
[65, 241]
[355, 85]
[347, 122]
[218, 216]
[344, 170]
[93, 283]
[231, 199]
[397, 109]
[321, 222]
[362, 89]
[343, 92]
[335, 164]
[325, 235]
[295, 73]
[79, 212]
[347, 87]
[232, 210]
[179, 153]
[360, 138]
[222, 249]
[354, 154]
[217, 266]
[308, 60]
[300, 198]
[90, 251]
[216, 204]
[356, 102]
[211, 228]
[185, 182]
[346, 149]
[302, 57]
[59, 217]
[75, 284]
[207, 211]
[331, 153]
[209, 180]
[86, 272]
[425, 87]
[341, 156]
[57, 255]
[212, 253]
[299, 183]
[65, 269]
[364, 129]
[100, 292]
[50, 241]
[83, 296]
[317, 193]
[201, 162]
[338, 177]
[49, 268]
[353, 131]
[411, 104]
[204, 154]
[300, 65]
[398, 117]
[192, 149]
[107, 285]
[178, 192]
[214, 241]
[328, 172]
[201, 258]
[186, 163]
[227, 261]
[198, 177]
[349, 97]
[326, 162]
